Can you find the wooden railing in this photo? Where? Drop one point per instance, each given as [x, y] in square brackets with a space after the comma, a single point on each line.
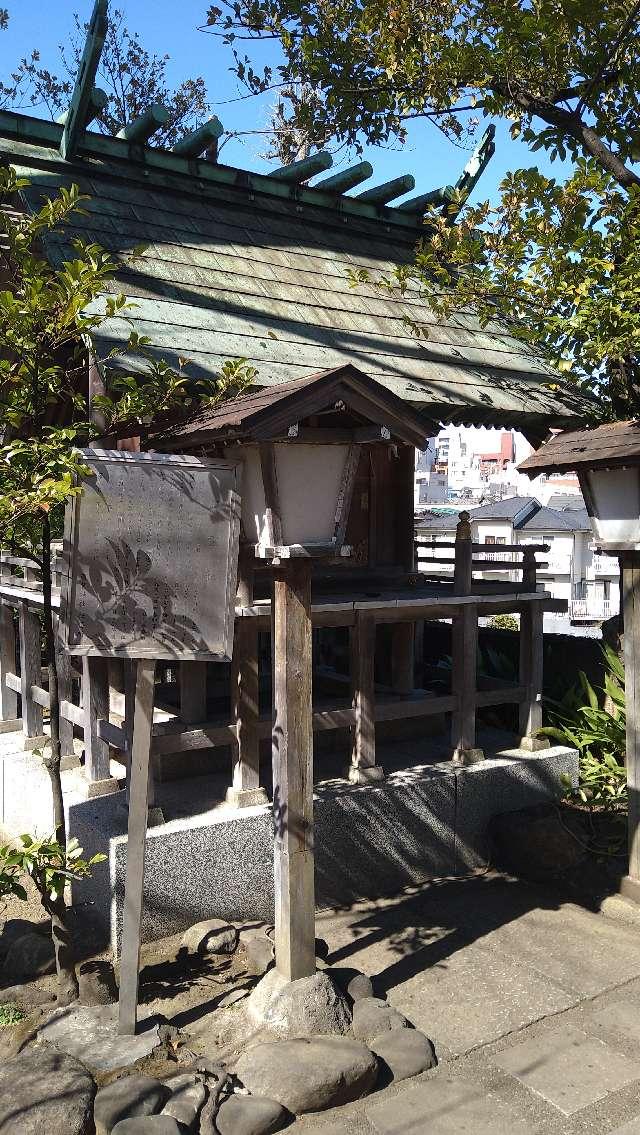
[469, 557]
[91, 688]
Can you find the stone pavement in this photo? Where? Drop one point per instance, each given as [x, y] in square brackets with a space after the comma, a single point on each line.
[533, 1004]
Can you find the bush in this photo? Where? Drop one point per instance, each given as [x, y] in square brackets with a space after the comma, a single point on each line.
[504, 623]
[599, 735]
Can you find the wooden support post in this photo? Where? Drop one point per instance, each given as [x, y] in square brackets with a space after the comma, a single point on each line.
[9, 720]
[193, 691]
[292, 754]
[531, 655]
[30, 675]
[402, 658]
[630, 573]
[136, 835]
[464, 646]
[95, 705]
[65, 691]
[362, 642]
[245, 789]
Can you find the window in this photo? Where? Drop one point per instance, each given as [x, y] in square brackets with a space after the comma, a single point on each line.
[501, 539]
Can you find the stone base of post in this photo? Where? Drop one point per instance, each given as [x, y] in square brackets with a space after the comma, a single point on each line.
[11, 725]
[532, 744]
[467, 756]
[92, 788]
[246, 797]
[630, 888]
[30, 743]
[365, 774]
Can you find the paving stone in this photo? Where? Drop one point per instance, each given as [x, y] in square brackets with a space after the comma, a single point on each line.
[188, 1095]
[403, 1053]
[621, 1017]
[305, 1007]
[309, 1074]
[444, 1106]
[630, 1128]
[569, 1070]
[251, 1115]
[43, 1092]
[90, 1032]
[125, 1098]
[30, 956]
[371, 1016]
[215, 936]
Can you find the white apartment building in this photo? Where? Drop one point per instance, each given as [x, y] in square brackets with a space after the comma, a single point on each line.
[466, 463]
[576, 570]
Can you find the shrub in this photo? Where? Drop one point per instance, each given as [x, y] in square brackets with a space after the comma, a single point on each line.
[504, 623]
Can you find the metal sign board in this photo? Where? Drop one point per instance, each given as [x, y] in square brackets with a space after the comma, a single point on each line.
[151, 550]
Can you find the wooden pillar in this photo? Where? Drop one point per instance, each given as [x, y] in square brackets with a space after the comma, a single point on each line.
[193, 691]
[245, 789]
[630, 572]
[95, 705]
[402, 658]
[30, 675]
[9, 719]
[531, 655]
[292, 754]
[362, 642]
[136, 836]
[464, 646]
[65, 689]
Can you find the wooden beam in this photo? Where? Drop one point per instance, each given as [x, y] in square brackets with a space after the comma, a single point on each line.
[292, 754]
[95, 705]
[30, 670]
[193, 691]
[272, 502]
[345, 494]
[79, 107]
[531, 656]
[245, 790]
[8, 699]
[65, 689]
[362, 645]
[136, 837]
[630, 570]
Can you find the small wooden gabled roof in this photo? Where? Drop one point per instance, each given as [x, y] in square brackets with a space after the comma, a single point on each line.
[270, 412]
[605, 447]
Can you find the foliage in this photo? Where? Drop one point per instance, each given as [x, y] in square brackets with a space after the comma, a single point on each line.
[10, 1014]
[579, 720]
[504, 623]
[132, 77]
[557, 261]
[48, 863]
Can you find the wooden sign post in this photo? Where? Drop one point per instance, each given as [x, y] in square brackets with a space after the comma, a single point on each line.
[151, 545]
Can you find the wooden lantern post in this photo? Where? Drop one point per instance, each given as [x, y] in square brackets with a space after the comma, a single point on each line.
[607, 461]
[292, 754]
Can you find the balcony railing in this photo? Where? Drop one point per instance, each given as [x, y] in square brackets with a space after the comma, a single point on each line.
[590, 610]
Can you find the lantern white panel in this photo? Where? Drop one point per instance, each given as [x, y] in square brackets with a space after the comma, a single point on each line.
[151, 545]
[615, 494]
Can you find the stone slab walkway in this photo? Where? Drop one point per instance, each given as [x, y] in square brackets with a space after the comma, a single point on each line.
[533, 1004]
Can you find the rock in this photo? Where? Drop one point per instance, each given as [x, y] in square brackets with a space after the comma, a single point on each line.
[356, 985]
[538, 842]
[403, 1053]
[322, 949]
[149, 1125]
[309, 1074]
[128, 1097]
[371, 1016]
[255, 930]
[188, 1095]
[232, 998]
[250, 1115]
[15, 928]
[261, 953]
[26, 996]
[299, 1008]
[29, 957]
[212, 937]
[97, 984]
[43, 1092]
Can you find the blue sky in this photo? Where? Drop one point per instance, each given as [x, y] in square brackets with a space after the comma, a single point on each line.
[169, 27]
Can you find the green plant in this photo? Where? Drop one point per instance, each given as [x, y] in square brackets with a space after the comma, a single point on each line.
[10, 1014]
[51, 866]
[599, 735]
[504, 623]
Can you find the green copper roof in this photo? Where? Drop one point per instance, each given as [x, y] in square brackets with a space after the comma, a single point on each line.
[242, 264]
